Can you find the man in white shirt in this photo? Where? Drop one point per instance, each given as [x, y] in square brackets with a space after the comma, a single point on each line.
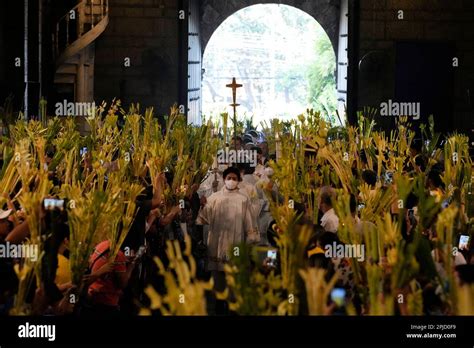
[360, 226]
[329, 221]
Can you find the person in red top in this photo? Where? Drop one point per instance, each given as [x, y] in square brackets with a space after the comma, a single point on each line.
[107, 279]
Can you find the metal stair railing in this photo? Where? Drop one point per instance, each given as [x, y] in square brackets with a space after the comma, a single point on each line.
[68, 30]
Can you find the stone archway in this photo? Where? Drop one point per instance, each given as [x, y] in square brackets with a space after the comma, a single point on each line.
[214, 12]
[280, 54]
[205, 16]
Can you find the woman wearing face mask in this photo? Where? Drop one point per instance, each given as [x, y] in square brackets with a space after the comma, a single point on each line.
[228, 214]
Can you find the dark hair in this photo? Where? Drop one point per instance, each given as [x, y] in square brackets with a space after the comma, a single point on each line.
[327, 194]
[466, 273]
[353, 203]
[230, 170]
[363, 156]
[245, 167]
[169, 178]
[319, 261]
[412, 200]
[417, 145]
[256, 148]
[369, 177]
[431, 301]
[318, 230]
[435, 177]
[327, 238]
[420, 162]
[50, 151]
[147, 193]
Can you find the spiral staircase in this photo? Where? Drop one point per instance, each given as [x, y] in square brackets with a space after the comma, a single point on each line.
[74, 50]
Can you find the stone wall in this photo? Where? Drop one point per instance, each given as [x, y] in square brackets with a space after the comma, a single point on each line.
[11, 47]
[447, 21]
[146, 31]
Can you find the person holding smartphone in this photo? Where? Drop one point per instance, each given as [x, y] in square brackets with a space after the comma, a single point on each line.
[107, 280]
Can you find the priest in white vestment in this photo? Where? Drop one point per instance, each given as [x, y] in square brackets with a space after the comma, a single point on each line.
[228, 213]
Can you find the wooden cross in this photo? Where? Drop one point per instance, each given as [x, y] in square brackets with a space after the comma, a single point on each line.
[234, 85]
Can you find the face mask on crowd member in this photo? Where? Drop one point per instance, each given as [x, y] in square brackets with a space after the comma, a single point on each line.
[231, 184]
[231, 178]
[269, 172]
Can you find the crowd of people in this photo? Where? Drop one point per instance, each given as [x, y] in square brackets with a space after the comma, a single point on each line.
[231, 206]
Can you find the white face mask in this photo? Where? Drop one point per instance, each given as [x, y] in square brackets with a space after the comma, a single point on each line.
[231, 184]
[269, 171]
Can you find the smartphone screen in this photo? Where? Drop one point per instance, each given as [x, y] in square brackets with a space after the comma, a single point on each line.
[52, 204]
[338, 296]
[463, 242]
[388, 178]
[272, 256]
